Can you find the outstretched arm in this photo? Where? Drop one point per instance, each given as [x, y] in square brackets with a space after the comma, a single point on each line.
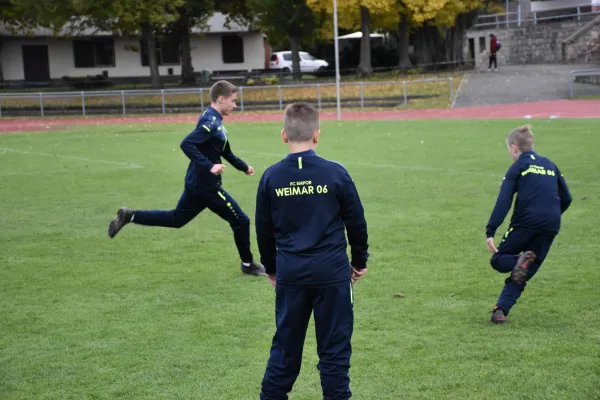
[503, 203]
[563, 192]
[237, 163]
[353, 216]
[264, 228]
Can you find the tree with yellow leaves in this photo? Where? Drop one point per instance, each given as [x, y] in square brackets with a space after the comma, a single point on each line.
[438, 26]
[398, 16]
[441, 37]
[354, 14]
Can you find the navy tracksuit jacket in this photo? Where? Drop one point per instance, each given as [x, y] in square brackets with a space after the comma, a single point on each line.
[205, 146]
[542, 198]
[305, 206]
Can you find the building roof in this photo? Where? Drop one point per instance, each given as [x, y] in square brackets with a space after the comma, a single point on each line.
[358, 35]
[215, 24]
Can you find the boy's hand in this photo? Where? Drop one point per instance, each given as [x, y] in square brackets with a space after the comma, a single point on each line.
[491, 246]
[217, 169]
[250, 171]
[272, 280]
[356, 274]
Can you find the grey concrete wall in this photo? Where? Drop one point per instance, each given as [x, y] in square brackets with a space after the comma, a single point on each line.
[531, 44]
[584, 44]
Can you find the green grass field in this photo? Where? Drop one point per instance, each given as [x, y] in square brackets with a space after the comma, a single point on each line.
[166, 314]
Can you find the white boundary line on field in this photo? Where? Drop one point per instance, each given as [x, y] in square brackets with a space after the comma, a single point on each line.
[458, 89]
[33, 153]
[413, 168]
[54, 172]
[393, 166]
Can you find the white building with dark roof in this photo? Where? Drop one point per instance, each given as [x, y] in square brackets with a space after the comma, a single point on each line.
[39, 56]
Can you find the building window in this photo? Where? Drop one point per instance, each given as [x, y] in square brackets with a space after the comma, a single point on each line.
[233, 49]
[94, 53]
[168, 52]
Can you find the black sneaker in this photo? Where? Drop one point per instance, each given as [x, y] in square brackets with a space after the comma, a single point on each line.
[498, 316]
[122, 218]
[254, 269]
[519, 272]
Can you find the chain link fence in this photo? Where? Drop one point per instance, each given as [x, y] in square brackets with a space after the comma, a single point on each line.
[424, 93]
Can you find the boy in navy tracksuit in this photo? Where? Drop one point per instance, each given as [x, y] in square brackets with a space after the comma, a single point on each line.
[542, 198]
[204, 146]
[305, 205]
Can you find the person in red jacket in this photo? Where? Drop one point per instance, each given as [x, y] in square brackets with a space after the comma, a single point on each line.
[493, 50]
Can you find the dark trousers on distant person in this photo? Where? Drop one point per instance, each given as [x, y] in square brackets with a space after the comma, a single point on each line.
[514, 242]
[334, 322]
[493, 60]
[191, 204]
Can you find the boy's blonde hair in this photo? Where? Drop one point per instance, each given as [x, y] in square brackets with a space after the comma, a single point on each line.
[300, 122]
[522, 137]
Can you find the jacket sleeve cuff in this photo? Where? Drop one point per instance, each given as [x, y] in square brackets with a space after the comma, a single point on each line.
[270, 267]
[358, 264]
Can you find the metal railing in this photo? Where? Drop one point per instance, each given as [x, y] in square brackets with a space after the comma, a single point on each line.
[515, 18]
[582, 73]
[75, 84]
[388, 94]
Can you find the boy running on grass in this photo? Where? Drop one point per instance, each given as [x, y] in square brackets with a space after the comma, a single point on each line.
[204, 146]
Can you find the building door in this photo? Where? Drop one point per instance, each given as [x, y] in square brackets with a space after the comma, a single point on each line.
[36, 66]
[471, 49]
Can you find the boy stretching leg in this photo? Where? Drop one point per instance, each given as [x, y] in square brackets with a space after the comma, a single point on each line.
[542, 198]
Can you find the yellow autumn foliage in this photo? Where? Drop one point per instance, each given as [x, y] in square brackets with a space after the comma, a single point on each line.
[385, 14]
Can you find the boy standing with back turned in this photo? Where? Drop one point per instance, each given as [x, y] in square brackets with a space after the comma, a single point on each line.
[304, 202]
[542, 198]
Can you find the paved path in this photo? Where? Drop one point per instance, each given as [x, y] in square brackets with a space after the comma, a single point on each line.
[521, 83]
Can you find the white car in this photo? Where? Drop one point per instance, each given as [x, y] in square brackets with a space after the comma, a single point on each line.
[283, 60]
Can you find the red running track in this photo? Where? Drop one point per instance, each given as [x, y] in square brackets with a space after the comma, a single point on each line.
[546, 109]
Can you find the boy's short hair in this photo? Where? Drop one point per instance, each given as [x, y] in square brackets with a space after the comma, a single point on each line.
[300, 122]
[222, 88]
[522, 137]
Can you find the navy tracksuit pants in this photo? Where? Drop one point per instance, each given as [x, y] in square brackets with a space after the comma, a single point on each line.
[514, 242]
[191, 204]
[334, 322]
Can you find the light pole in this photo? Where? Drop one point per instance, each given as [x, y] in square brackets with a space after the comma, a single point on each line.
[337, 61]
